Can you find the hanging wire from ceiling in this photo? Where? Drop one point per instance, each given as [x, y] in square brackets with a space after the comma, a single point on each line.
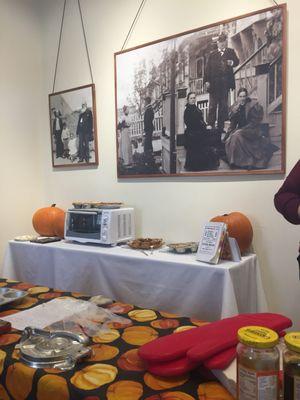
[133, 23]
[85, 41]
[60, 38]
[275, 2]
[59, 43]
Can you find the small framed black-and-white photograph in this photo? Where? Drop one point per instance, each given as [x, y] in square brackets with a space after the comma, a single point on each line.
[73, 127]
[210, 101]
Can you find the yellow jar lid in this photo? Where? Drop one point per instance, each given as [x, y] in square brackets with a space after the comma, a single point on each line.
[292, 340]
[257, 336]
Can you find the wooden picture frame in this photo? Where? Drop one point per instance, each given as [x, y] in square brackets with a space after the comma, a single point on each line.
[73, 127]
[222, 131]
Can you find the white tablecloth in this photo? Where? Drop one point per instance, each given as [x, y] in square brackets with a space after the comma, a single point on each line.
[163, 281]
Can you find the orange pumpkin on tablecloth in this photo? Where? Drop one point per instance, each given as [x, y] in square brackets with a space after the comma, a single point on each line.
[49, 221]
[239, 227]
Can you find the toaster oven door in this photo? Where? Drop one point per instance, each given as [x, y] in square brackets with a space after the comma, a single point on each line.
[84, 224]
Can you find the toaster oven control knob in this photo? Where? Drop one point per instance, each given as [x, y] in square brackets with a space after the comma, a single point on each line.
[105, 219]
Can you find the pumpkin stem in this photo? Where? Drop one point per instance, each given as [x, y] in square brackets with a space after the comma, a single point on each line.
[53, 205]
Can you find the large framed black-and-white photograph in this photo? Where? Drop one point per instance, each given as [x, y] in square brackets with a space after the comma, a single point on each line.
[73, 127]
[210, 101]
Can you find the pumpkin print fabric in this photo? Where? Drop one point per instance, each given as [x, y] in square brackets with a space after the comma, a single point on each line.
[113, 371]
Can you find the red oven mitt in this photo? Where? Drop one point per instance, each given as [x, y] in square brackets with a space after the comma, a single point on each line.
[221, 360]
[225, 358]
[205, 341]
[229, 338]
[183, 365]
[172, 368]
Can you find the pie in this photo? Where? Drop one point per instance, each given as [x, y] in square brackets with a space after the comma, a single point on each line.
[145, 243]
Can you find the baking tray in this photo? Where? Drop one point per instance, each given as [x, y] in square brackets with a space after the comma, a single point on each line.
[8, 295]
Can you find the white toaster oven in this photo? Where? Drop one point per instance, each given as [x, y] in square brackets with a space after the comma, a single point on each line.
[103, 226]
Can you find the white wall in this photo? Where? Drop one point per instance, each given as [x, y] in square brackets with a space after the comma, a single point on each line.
[174, 209]
[20, 95]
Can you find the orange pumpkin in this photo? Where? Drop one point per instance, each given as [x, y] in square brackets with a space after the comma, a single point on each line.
[49, 221]
[239, 227]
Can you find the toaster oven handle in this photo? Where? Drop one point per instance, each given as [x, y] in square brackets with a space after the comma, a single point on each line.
[83, 212]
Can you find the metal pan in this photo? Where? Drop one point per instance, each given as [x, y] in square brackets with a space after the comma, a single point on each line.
[8, 295]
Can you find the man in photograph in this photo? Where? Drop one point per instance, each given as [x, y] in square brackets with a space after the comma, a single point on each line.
[84, 132]
[57, 131]
[219, 79]
[148, 126]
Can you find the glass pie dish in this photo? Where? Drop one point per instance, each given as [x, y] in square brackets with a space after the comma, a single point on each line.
[183, 247]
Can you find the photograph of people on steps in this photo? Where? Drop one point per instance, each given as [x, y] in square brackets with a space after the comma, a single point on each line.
[206, 102]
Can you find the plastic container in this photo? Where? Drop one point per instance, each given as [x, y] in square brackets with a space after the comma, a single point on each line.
[257, 364]
[291, 366]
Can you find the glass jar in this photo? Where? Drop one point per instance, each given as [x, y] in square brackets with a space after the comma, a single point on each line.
[291, 366]
[257, 364]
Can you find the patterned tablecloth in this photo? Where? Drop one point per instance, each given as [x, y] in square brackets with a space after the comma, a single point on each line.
[113, 371]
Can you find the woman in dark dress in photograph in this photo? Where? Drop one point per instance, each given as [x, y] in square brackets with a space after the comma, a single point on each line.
[246, 147]
[199, 155]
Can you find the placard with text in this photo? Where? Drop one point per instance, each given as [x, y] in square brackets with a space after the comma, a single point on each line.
[211, 242]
